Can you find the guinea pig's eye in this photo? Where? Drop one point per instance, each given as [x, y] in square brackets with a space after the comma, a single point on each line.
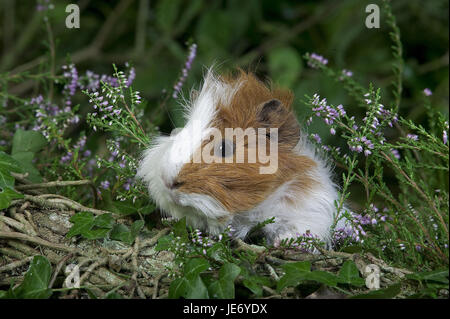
[224, 149]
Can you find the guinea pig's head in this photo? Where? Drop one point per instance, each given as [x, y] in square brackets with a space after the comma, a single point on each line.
[209, 168]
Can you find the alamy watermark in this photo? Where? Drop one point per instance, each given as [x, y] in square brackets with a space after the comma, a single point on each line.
[373, 19]
[73, 18]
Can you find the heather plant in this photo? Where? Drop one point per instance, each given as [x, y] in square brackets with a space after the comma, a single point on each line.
[74, 145]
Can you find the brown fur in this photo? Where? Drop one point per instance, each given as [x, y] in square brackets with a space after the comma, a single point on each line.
[240, 186]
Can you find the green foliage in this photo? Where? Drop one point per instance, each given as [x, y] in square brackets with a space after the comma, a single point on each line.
[35, 282]
[90, 227]
[7, 192]
[125, 234]
[102, 226]
[190, 286]
[223, 288]
[386, 293]
[299, 272]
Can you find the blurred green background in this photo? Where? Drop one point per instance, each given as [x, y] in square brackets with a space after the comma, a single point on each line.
[267, 37]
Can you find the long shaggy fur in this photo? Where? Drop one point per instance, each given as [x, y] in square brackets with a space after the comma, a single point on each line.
[300, 194]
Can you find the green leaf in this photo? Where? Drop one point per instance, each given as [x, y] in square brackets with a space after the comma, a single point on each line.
[255, 283]
[147, 209]
[164, 243]
[323, 277]
[104, 221]
[25, 160]
[440, 276]
[36, 280]
[194, 267]
[297, 266]
[349, 274]
[224, 287]
[294, 274]
[6, 195]
[27, 141]
[193, 288]
[82, 222]
[179, 229]
[190, 286]
[125, 234]
[8, 165]
[113, 295]
[90, 227]
[387, 293]
[123, 208]
[285, 65]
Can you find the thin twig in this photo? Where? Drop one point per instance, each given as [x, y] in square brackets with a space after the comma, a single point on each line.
[38, 241]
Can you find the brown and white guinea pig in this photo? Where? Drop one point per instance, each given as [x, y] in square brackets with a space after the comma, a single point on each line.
[212, 195]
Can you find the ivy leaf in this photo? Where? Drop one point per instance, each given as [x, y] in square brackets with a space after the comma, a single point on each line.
[125, 234]
[189, 289]
[349, 274]
[113, 295]
[294, 274]
[255, 283]
[440, 276]
[8, 165]
[194, 267]
[123, 208]
[36, 280]
[82, 222]
[6, 195]
[26, 163]
[323, 277]
[387, 293]
[27, 141]
[147, 209]
[90, 227]
[224, 287]
[191, 285]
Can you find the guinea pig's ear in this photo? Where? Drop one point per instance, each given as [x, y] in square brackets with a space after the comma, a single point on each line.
[271, 112]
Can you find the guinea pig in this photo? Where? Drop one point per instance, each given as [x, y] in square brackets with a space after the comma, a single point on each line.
[221, 189]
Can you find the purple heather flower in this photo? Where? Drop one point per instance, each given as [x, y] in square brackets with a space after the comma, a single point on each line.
[345, 73]
[413, 137]
[187, 66]
[427, 92]
[66, 158]
[87, 153]
[317, 60]
[444, 137]
[316, 137]
[131, 76]
[396, 153]
[104, 184]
